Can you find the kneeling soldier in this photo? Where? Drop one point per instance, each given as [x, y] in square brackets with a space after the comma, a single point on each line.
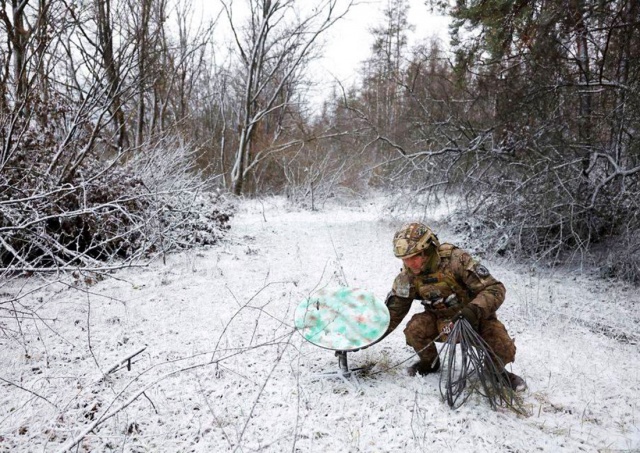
[449, 283]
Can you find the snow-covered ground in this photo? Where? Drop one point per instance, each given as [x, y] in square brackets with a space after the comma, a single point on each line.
[224, 370]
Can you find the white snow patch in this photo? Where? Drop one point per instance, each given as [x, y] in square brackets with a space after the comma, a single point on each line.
[223, 369]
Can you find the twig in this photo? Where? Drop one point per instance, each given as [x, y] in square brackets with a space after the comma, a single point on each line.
[127, 359]
[264, 385]
[93, 356]
[27, 390]
[344, 277]
[415, 354]
[107, 415]
[149, 399]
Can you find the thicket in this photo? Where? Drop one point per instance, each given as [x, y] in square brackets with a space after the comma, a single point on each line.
[560, 175]
[531, 119]
[103, 212]
[97, 169]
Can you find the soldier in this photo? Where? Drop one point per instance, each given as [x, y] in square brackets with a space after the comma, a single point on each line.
[450, 284]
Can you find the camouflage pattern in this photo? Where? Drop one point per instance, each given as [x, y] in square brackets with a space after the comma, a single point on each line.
[413, 238]
[454, 281]
[423, 327]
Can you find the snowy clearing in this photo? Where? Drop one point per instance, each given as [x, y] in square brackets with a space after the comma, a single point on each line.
[223, 370]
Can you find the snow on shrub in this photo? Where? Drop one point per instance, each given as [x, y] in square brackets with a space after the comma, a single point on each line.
[52, 217]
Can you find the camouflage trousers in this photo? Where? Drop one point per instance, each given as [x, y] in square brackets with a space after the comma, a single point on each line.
[424, 327]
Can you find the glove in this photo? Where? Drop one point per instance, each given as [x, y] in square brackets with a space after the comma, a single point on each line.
[471, 313]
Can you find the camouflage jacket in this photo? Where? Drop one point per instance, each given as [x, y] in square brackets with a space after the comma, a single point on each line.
[458, 281]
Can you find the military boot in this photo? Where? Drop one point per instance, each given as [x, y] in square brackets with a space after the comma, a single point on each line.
[422, 367]
[516, 382]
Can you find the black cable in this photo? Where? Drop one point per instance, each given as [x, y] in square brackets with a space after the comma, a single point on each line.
[472, 367]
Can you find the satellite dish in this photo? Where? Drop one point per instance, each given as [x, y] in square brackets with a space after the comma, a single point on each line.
[342, 319]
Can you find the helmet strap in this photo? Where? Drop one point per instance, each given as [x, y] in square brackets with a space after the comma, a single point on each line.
[432, 259]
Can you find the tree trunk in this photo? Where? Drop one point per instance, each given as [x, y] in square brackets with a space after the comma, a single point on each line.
[19, 36]
[584, 118]
[105, 36]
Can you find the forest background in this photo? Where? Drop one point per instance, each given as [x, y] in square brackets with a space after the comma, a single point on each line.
[129, 129]
[125, 124]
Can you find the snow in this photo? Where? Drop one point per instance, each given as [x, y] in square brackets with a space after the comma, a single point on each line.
[224, 370]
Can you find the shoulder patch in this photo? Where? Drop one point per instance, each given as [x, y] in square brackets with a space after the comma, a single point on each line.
[402, 285]
[481, 271]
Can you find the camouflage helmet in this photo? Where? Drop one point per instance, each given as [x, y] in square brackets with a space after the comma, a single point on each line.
[412, 239]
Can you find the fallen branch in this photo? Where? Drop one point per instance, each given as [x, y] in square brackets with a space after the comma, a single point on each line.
[127, 359]
[107, 415]
[28, 391]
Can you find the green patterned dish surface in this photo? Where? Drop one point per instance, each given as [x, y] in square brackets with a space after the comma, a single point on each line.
[342, 319]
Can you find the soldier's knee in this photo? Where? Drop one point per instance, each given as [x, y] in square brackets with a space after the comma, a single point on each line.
[420, 328]
[506, 350]
[500, 342]
[411, 331]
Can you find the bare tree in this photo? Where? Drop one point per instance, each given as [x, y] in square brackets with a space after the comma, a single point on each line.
[74, 191]
[273, 46]
[384, 69]
[113, 59]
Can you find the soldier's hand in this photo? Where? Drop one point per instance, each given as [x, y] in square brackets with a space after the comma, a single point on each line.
[447, 328]
[471, 313]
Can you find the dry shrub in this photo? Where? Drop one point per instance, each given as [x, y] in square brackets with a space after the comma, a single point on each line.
[105, 209]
